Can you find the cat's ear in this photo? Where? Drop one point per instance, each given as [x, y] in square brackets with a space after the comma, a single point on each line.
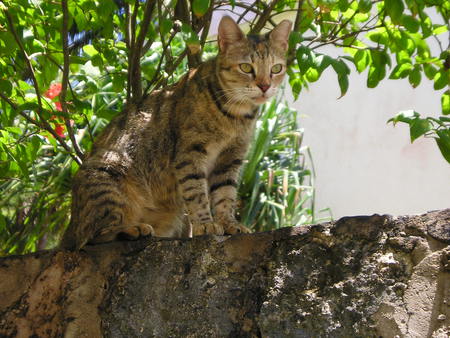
[279, 36]
[228, 33]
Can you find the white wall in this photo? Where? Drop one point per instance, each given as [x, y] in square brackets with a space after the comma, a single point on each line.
[364, 165]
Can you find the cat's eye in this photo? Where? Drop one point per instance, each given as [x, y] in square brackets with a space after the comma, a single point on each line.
[276, 69]
[246, 67]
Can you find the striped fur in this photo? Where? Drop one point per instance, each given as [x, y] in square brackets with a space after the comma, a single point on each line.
[169, 167]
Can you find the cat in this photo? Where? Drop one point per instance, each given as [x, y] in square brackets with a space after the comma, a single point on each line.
[169, 166]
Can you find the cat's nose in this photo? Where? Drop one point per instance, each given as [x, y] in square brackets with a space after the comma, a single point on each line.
[263, 86]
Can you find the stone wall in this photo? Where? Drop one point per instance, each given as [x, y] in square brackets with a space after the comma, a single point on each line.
[366, 276]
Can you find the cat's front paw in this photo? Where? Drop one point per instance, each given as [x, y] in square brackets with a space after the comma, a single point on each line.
[126, 232]
[232, 228]
[136, 231]
[212, 228]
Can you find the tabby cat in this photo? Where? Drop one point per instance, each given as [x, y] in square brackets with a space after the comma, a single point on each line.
[169, 167]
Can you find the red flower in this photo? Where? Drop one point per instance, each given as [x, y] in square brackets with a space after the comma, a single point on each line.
[58, 106]
[53, 91]
[59, 129]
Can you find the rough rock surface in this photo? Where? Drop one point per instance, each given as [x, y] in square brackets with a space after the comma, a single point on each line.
[366, 276]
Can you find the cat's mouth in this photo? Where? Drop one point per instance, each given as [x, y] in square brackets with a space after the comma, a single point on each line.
[260, 99]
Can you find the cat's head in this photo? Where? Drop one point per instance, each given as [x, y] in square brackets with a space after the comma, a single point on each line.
[252, 67]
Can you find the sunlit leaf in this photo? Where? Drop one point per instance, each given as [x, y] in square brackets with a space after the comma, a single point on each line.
[200, 7]
[443, 142]
[394, 8]
[415, 76]
[445, 102]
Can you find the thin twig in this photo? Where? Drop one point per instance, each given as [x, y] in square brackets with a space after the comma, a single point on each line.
[346, 36]
[131, 27]
[261, 22]
[158, 68]
[65, 79]
[170, 71]
[45, 124]
[39, 125]
[129, 44]
[207, 23]
[127, 25]
[296, 28]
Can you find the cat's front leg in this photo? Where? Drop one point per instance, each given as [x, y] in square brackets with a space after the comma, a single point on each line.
[223, 189]
[190, 171]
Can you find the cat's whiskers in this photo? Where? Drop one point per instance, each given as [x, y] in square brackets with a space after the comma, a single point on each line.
[237, 101]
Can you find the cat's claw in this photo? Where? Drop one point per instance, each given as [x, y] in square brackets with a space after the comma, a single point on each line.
[212, 228]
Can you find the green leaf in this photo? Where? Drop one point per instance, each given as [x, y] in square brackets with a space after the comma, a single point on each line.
[406, 116]
[415, 76]
[296, 84]
[401, 71]
[361, 60]
[343, 84]
[418, 127]
[342, 71]
[340, 67]
[118, 82]
[443, 142]
[380, 36]
[364, 6]
[90, 50]
[312, 75]
[14, 130]
[32, 106]
[322, 62]
[440, 29]
[6, 87]
[425, 23]
[304, 59]
[343, 5]
[394, 8]
[441, 79]
[410, 23]
[376, 74]
[34, 147]
[429, 71]
[445, 103]
[200, 7]
[166, 26]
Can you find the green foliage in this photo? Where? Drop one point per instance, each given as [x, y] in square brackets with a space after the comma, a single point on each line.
[103, 53]
[389, 38]
[276, 187]
[439, 128]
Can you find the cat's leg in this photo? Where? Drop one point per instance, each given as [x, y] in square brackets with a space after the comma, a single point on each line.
[190, 172]
[222, 187]
[101, 209]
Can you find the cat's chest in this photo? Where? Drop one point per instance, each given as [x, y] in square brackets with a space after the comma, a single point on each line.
[214, 150]
[235, 141]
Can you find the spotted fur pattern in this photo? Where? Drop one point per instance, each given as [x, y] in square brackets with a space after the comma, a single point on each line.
[169, 167]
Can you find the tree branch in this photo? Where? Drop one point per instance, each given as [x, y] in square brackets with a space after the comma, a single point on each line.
[45, 125]
[135, 76]
[297, 22]
[65, 79]
[158, 68]
[261, 22]
[345, 36]
[170, 71]
[37, 124]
